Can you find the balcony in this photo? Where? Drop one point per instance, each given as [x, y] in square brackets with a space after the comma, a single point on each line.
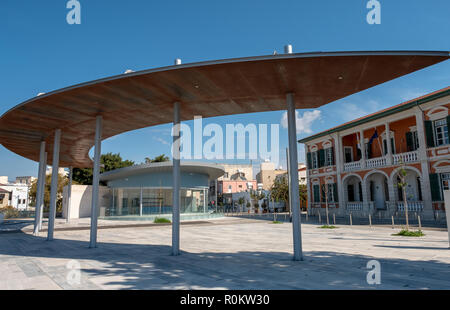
[354, 165]
[405, 157]
[355, 206]
[413, 206]
[376, 162]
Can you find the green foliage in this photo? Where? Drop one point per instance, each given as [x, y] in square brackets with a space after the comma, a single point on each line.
[9, 212]
[409, 233]
[62, 181]
[328, 227]
[160, 220]
[280, 191]
[277, 222]
[108, 162]
[157, 159]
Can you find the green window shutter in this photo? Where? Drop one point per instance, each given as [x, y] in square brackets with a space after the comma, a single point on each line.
[309, 160]
[409, 141]
[335, 193]
[316, 193]
[392, 146]
[435, 188]
[323, 193]
[321, 158]
[332, 157]
[369, 150]
[385, 147]
[448, 125]
[429, 133]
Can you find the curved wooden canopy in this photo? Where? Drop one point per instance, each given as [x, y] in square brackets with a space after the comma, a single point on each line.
[214, 88]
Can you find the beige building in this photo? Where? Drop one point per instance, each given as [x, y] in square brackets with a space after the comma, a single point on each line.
[267, 175]
[234, 172]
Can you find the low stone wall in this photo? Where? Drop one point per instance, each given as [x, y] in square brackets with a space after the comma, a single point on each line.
[81, 201]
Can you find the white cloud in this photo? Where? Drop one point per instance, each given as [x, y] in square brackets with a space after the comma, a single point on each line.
[351, 111]
[303, 122]
[161, 140]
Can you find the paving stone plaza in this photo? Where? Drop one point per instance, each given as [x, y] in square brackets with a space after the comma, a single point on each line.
[226, 253]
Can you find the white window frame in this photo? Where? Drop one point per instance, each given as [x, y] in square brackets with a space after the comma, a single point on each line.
[328, 156]
[315, 160]
[446, 139]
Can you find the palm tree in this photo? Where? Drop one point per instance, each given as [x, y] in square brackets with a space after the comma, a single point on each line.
[157, 159]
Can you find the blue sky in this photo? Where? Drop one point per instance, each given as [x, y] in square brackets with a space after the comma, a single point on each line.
[40, 52]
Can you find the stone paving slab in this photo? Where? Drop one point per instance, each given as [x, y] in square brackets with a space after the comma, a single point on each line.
[225, 254]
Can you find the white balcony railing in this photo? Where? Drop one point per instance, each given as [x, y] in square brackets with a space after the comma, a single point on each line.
[413, 206]
[405, 157]
[354, 165]
[354, 206]
[376, 162]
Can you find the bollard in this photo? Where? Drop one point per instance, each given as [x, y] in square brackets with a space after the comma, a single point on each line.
[392, 222]
[370, 221]
[420, 223]
[307, 216]
[320, 218]
[351, 223]
[334, 218]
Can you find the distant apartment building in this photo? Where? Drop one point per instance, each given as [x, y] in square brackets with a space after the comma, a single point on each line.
[356, 165]
[267, 175]
[14, 194]
[28, 180]
[237, 178]
[301, 174]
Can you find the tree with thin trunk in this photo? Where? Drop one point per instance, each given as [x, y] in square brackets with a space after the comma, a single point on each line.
[402, 186]
[325, 190]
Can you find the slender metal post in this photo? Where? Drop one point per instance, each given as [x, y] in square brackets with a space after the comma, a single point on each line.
[42, 192]
[289, 177]
[54, 186]
[293, 177]
[95, 181]
[140, 203]
[37, 212]
[69, 194]
[176, 181]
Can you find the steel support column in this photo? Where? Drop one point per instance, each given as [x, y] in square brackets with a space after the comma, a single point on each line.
[69, 194]
[176, 181]
[95, 181]
[42, 192]
[37, 208]
[140, 203]
[54, 186]
[293, 177]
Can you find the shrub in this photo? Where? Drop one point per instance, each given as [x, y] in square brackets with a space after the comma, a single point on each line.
[9, 212]
[328, 227]
[160, 220]
[410, 233]
[277, 222]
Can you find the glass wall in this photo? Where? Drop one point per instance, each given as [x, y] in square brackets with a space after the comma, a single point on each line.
[127, 201]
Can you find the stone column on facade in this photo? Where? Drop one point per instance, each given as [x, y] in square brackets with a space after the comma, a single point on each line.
[338, 160]
[423, 158]
[308, 182]
[366, 207]
[362, 145]
[388, 144]
[392, 197]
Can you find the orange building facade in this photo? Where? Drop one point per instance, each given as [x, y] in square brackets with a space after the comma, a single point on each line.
[356, 166]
